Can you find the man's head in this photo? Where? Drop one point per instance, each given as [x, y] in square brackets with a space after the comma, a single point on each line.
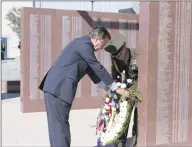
[99, 37]
[117, 47]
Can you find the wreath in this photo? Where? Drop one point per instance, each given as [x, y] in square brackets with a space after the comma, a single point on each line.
[115, 114]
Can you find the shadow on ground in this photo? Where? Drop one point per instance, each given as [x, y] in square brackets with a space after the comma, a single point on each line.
[5, 96]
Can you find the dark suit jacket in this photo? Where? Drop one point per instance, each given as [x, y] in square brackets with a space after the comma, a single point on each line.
[122, 65]
[76, 60]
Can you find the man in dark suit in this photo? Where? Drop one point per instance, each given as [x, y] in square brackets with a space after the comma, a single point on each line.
[121, 61]
[61, 81]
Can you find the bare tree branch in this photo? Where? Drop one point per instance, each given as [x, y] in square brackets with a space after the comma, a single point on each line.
[136, 6]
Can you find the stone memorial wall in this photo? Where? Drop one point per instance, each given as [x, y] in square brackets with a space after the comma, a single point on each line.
[45, 32]
[165, 73]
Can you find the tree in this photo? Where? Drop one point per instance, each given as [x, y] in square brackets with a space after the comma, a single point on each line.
[13, 16]
[135, 6]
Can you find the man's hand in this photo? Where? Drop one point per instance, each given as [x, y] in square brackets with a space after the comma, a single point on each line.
[122, 92]
[102, 85]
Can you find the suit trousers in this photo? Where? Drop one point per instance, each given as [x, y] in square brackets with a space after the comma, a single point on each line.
[58, 121]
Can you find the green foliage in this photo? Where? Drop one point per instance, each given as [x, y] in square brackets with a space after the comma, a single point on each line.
[13, 16]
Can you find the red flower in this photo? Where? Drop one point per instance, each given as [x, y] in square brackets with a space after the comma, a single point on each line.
[109, 101]
[110, 111]
[101, 125]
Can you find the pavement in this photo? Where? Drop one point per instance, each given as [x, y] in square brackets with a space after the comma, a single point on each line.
[30, 129]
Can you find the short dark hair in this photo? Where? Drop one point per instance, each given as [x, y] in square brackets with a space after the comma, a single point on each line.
[99, 31]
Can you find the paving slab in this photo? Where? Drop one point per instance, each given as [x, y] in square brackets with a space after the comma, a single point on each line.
[30, 129]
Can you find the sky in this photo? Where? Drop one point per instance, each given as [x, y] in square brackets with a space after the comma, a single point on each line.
[6, 6]
[13, 39]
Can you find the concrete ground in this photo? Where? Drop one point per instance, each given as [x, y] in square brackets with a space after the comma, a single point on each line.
[30, 129]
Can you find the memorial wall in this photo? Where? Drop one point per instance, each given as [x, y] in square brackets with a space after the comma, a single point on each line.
[45, 32]
[165, 73]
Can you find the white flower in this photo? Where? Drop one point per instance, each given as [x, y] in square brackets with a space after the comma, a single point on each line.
[107, 99]
[106, 107]
[123, 85]
[118, 84]
[129, 81]
[115, 96]
[113, 109]
[125, 103]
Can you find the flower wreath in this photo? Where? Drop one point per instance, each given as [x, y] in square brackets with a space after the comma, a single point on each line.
[115, 114]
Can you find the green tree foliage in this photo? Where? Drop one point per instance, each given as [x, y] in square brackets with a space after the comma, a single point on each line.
[13, 16]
